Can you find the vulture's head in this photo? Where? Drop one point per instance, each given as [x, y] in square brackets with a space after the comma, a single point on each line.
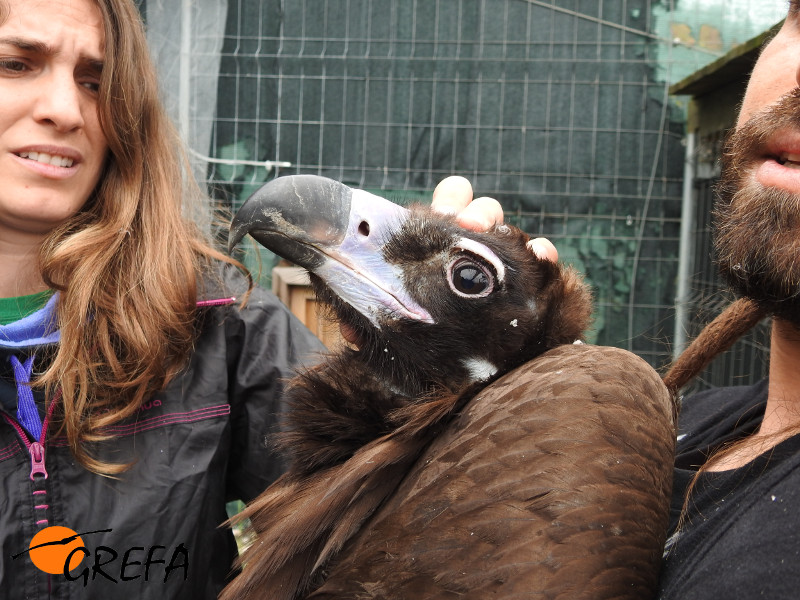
[434, 304]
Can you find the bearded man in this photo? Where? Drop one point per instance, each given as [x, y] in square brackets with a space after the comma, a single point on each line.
[735, 529]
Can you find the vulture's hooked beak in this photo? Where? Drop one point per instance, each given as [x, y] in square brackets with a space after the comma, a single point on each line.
[338, 234]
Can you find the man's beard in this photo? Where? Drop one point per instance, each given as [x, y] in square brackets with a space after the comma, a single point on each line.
[757, 229]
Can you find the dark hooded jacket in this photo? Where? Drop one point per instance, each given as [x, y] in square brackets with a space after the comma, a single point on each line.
[154, 531]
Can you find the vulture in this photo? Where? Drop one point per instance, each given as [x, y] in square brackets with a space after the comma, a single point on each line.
[469, 448]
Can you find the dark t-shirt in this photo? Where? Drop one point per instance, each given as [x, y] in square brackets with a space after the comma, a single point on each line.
[741, 534]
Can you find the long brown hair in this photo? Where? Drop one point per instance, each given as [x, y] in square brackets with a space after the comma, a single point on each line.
[128, 266]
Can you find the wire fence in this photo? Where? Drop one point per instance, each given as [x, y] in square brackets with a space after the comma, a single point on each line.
[748, 360]
[560, 110]
[554, 110]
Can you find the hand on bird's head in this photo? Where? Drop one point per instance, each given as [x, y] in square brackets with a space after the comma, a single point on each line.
[453, 195]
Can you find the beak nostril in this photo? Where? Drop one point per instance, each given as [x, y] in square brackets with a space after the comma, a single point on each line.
[363, 228]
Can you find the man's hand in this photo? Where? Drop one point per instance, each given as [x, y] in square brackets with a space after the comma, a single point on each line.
[453, 195]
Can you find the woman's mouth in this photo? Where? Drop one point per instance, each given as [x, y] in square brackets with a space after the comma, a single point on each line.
[48, 159]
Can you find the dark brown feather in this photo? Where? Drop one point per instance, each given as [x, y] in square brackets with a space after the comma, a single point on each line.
[552, 483]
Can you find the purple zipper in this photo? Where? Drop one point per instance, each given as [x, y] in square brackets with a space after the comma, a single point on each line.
[36, 448]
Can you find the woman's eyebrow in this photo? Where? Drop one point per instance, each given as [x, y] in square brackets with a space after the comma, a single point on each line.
[45, 49]
[28, 45]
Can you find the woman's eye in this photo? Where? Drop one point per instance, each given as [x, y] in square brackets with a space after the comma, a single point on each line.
[469, 278]
[12, 65]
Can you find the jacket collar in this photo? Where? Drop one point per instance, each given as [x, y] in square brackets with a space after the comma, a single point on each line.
[36, 329]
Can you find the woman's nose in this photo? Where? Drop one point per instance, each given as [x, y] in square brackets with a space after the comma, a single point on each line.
[60, 101]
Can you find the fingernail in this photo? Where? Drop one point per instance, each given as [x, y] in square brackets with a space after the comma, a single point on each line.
[475, 224]
[538, 250]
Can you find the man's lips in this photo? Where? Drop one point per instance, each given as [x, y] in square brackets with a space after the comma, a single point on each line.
[780, 160]
[789, 159]
[781, 171]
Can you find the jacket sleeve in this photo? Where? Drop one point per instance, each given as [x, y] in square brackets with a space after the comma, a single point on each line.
[266, 344]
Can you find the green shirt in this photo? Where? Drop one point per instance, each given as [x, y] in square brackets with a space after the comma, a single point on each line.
[18, 307]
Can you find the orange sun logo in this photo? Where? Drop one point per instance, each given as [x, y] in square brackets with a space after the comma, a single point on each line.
[50, 548]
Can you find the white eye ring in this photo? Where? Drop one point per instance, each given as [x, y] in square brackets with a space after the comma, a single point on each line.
[469, 278]
[483, 252]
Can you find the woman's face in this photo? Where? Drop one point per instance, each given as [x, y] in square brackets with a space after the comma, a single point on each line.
[52, 148]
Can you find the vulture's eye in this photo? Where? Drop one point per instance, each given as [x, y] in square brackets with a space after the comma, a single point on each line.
[469, 278]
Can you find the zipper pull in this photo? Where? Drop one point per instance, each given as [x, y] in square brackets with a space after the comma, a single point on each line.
[37, 459]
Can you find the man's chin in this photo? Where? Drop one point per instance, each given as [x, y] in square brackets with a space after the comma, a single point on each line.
[757, 244]
[776, 303]
[757, 215]
[761, 267]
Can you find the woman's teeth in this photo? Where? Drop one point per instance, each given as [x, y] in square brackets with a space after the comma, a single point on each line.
[48, 159]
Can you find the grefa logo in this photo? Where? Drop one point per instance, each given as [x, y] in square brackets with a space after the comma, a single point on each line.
[59, 550]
